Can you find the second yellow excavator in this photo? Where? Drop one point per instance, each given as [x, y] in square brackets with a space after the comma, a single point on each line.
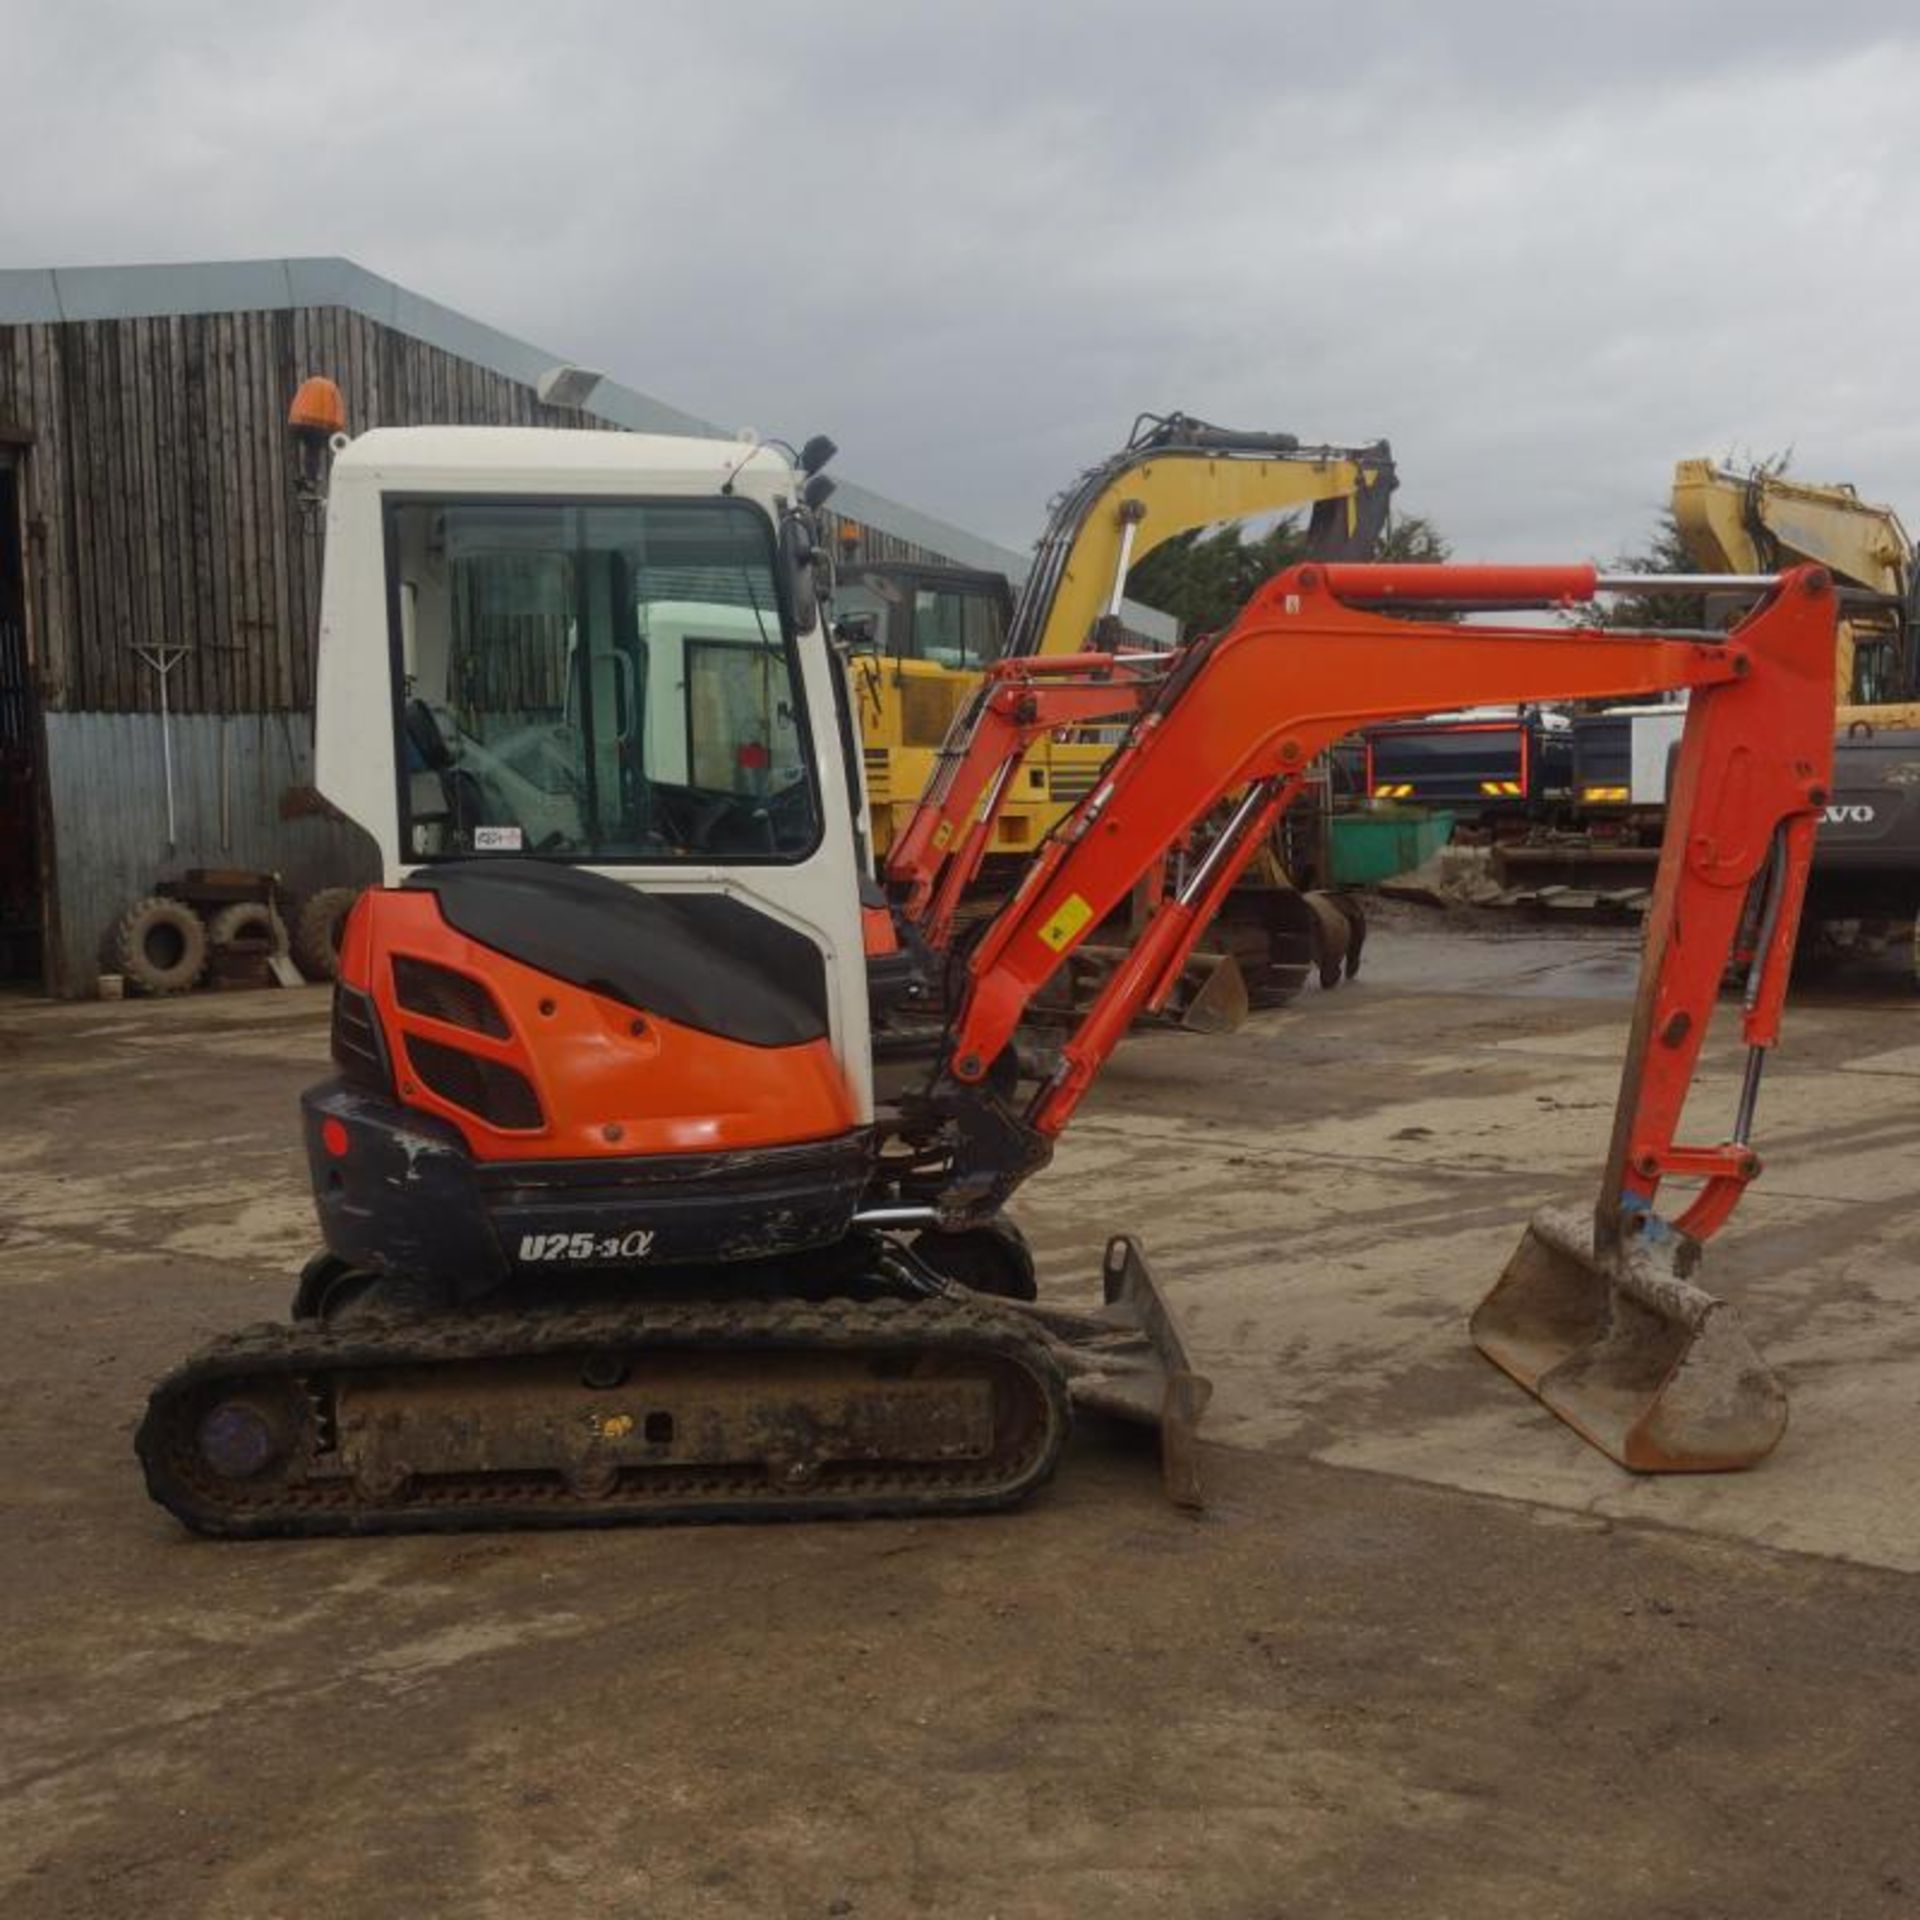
[1747, 523]
[1864, 896]
[920, 637]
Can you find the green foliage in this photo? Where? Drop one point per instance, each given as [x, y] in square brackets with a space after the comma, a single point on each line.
[1414, 540]
[1205, 577]
[1664, 552]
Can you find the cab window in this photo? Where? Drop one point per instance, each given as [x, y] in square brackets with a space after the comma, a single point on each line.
[953, 628]
[607, 682]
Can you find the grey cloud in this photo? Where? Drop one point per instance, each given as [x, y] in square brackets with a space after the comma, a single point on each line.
[1546, 248]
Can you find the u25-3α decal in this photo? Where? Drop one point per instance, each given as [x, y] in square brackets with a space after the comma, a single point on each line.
[636, 1245]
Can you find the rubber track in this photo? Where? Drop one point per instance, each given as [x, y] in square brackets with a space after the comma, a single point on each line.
[310, 1352]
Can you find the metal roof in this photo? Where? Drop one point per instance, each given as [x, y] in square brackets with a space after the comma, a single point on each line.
[48, 295]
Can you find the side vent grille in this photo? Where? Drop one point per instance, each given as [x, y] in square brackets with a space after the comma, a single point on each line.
[355, 1040]
[442, 994]
[494, 1092]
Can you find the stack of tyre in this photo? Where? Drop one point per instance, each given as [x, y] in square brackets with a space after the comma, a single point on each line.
[163, 946]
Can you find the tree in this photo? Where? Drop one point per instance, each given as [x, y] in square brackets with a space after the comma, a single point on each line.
[1664, 552]
[1204, 577]
[1414, 540]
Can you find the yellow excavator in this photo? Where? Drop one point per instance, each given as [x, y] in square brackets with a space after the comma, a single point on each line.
[919, 637]
[1864, 893]
[1746, 523]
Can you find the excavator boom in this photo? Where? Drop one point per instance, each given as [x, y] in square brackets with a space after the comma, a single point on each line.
[1174, 475]
[1318, 651]
[1746, 523]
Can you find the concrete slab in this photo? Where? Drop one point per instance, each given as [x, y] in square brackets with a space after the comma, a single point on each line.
[1327, 1195]
[1357, 1688]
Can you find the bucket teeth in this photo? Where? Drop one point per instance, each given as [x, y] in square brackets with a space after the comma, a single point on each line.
[1629, 1352]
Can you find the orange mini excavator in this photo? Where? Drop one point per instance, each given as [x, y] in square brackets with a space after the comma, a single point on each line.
[615, 1225]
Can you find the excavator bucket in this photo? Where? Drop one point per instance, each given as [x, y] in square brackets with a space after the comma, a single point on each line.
[1128, 1359]
[1212, 995]
[1283, 937]
[1632, 1355]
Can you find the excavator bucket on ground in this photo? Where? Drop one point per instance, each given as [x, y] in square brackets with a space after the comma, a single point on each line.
[1628, 1351]
[1211, 994]
[1259, 953]
[1599, 1314]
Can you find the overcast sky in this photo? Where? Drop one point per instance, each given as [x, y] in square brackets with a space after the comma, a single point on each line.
[1545, 249]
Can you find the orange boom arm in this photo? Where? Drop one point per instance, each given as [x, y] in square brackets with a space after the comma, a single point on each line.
[1313, 656]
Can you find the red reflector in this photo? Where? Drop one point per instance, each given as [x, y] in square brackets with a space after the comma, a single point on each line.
[333, 1136]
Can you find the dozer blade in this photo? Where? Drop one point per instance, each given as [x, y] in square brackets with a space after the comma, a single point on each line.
[1629, 1352]
[1129, 1359]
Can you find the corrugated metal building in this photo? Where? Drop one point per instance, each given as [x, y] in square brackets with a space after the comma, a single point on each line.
[153, 549]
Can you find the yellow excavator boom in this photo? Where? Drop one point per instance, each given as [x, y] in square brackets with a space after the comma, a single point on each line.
[1759, 522]
[1205, 477]
[1174, 475]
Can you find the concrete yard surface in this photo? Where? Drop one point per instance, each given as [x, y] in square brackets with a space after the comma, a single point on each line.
[1426, 1654]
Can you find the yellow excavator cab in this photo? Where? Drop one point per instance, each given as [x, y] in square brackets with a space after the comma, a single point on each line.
[918, 636]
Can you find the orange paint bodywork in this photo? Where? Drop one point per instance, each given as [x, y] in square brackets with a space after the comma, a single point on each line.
[877, 932]
[1300, 667]
[613, 1081]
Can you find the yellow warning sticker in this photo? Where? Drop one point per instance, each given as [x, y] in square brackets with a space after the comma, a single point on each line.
[941, 835]
[1072, 914]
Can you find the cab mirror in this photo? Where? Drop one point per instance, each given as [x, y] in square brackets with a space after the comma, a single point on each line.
[797, 563]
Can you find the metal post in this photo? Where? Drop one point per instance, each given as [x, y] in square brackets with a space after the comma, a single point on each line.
[1684, 582]
[1749, 1096]
[163, 659]
[166, 752]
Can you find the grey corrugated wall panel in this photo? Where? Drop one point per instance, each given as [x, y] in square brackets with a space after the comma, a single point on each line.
[107, 787]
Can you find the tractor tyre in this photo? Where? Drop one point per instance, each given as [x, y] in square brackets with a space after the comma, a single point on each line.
[248, 920]
[316, 931]
[160, 946]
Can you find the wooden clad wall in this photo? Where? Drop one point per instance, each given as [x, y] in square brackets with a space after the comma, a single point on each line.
[870, 544]
[158, 491]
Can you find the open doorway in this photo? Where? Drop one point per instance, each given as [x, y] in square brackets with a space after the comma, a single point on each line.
[20, 912]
